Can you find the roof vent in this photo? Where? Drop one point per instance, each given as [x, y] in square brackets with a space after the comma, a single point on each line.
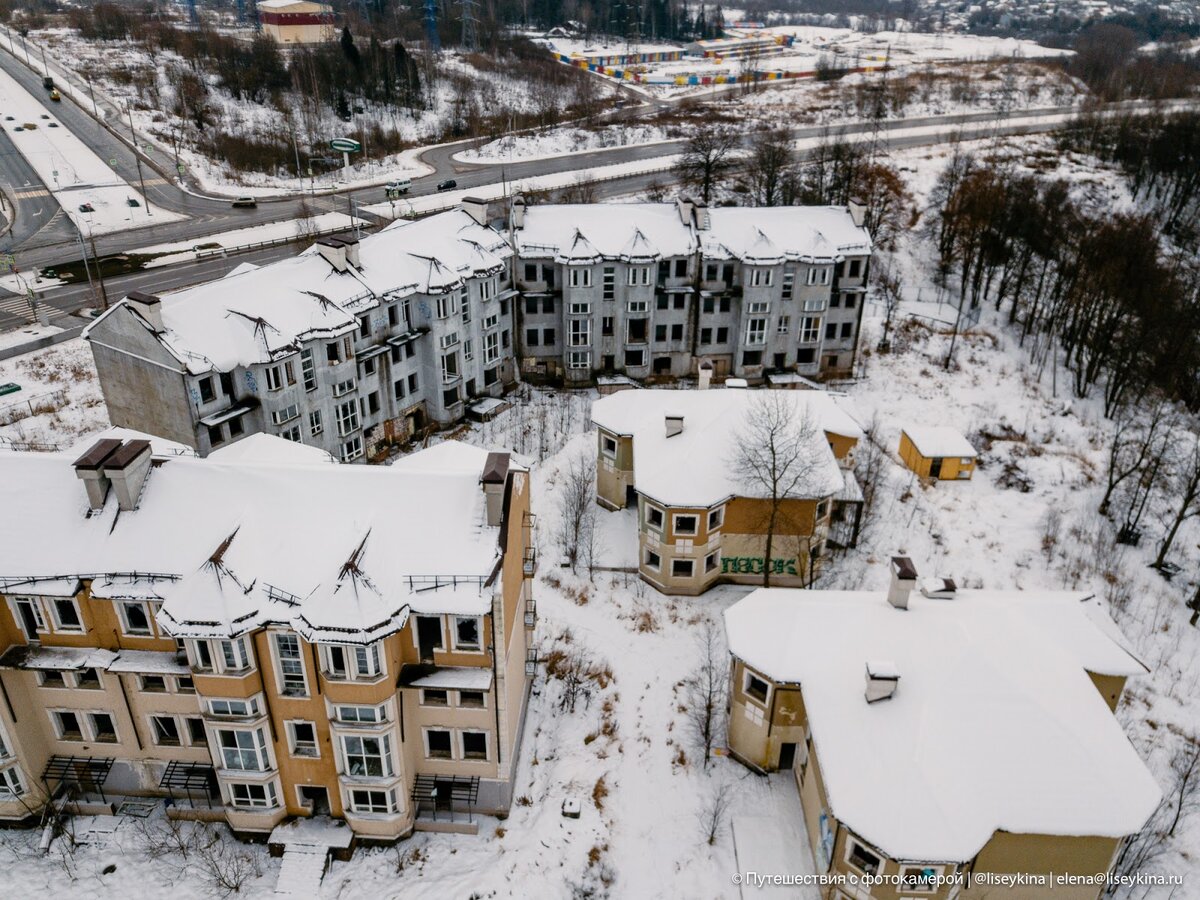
[736, 383]
[705, 373]
[882, 680]
[938, 588]
[904, 579]
[674, 425]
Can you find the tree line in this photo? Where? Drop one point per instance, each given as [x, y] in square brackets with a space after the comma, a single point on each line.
[1099, 285]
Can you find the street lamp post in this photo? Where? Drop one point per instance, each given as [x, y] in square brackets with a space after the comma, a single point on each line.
[137, 159]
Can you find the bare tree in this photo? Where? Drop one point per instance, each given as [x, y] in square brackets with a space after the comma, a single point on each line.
[889, 290]
[714, 813]
[707, 158]
[577, 507]
[1180, 800]
[1184, 489]
[1136, 440]
[775, 460]
[771, 161]
[706, 690]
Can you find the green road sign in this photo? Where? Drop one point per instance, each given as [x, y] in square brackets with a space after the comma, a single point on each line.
[345, 145]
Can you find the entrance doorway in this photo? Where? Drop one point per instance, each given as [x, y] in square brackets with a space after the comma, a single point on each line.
[31, 618]
[935, 467]
[787, 756]
[315, 798]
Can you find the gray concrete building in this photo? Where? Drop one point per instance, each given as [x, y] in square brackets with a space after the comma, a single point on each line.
[660, 290]
[350, 346]
[353, 346]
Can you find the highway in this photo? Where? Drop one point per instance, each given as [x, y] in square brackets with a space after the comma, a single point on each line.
[41, 235]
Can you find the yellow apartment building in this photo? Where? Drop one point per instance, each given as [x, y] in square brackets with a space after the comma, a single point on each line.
[271, 637]
[671, 454]
[937, 733]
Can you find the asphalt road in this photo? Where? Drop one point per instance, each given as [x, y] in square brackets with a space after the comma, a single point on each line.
[42, 235]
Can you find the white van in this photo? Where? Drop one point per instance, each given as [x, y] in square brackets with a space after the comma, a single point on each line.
[398, 186]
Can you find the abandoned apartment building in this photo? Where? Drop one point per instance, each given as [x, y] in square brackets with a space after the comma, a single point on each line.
[669, 453]
[935, 731]
[264, 637]
[356, 345]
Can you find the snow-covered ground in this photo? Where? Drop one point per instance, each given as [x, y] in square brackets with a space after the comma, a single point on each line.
[562, 141]
[1026, 520]
[287, 229]
[59, 401]
[75, 175]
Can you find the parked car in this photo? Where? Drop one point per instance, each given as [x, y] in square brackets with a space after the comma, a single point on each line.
[86, 207]
[448, 185]
[48, 82]
[131, 202]
[245, 203]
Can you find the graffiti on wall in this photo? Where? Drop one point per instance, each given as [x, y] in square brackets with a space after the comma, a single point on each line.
[753, 565]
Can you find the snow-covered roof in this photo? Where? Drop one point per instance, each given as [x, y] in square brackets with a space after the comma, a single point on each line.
[264, 313]
[642, 232]
[694, 467]
[463, 678]
[782, 233]
[587, 232]
[268, 449]
[342, 552]
[939, 440]
[995, 724]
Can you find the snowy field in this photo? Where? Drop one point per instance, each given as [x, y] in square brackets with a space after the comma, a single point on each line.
[59, 401]
[1027, 520]
[75, 175]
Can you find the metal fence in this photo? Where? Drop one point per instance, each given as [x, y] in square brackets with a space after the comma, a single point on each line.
[32, 406]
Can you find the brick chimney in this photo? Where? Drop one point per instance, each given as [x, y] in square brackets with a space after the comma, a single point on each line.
[904, 579]
[127, 469]
[475, 208]
[148, 306]
[334, 251]
[495, 474]
[90, 469]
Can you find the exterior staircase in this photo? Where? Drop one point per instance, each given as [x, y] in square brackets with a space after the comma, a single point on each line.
[301, 872]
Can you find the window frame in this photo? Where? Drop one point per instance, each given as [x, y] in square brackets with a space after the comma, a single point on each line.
[295, 745]
[282, 676]
[462, 745]
[747, 678]
[387, 767]
[127, 629]
[449, 732]
[55, 615]
[475, 646]
[677, 530]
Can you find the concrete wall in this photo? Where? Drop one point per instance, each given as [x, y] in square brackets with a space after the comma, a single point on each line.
[143, 385]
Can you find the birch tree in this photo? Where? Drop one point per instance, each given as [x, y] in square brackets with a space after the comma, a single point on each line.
[775, 457]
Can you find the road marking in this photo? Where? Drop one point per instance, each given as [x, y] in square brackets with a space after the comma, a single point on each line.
[15, 305]
[25, 195]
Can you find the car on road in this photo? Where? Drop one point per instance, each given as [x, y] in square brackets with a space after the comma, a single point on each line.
[245, 203]
[448, 185]
[48, 83]
[397, 187]
[55, 96]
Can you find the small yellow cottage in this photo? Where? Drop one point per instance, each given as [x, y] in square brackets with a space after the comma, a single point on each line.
[937, 451]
